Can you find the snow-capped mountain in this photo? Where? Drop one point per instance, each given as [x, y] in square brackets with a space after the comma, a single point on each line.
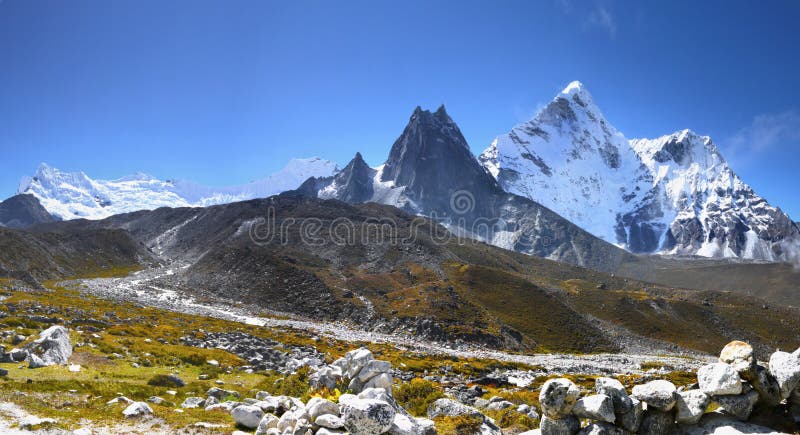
[674, 194]
[73, 195]
[431, 171]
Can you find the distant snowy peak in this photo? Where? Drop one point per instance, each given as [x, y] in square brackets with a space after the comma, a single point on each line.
[673, 194]
[572, 160]
[74, 195]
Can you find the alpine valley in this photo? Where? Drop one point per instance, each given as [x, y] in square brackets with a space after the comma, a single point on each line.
[449, 293]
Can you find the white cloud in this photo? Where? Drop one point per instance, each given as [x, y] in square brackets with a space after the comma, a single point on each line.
[764, 133]
[601, 17]
[594, 15]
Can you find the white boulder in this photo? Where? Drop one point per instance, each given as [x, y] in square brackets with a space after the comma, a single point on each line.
[719, 378]
[659, 394]
[557, 397]
[248, 416]
[52, 347]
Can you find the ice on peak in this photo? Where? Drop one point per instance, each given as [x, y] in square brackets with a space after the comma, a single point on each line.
[575, 87]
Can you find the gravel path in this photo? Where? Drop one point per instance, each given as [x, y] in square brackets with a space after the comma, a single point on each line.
[148, 288]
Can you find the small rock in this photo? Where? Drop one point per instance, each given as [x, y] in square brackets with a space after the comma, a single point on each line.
[137, 409]
[632, 419]
[318, 406]
[74, 368]
[739, 406]
[267, 422]
[155, 400]
[367, 416]
[557, 397]
[373, 368]
[193, 402]
[248, 416]
[657, 422]
[569, 425]
[657, 394]
[690, 406]
[614, 388]
[329, 421]
[595, 407]
[769, 392]
[601, 429]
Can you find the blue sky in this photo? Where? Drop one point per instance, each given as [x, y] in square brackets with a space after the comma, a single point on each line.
[221, 92]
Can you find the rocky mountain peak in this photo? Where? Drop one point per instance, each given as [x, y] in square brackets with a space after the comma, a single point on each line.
[430, 155]
[23, 210]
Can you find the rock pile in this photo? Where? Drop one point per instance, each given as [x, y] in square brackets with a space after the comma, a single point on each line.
[260, 353]
[371, 412]
[727, 395]
[357, 370]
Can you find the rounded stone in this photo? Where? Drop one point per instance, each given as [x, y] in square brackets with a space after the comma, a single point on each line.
[558, 397]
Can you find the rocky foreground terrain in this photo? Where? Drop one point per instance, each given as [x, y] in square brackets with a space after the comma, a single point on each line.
[154, 361]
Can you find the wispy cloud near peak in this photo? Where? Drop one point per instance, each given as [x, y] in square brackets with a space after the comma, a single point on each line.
[765, 132]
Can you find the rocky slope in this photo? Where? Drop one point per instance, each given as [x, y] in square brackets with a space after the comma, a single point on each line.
[74, 195]
[329, 260]
[674, 194]
[22, 211]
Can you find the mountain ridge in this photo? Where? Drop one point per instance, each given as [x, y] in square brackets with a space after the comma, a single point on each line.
[73, 195]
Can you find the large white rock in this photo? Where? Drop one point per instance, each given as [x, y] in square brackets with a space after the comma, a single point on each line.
[739, 355]
[557, 397]
[659, 394]
[719, 378]
[786, 369]
[690, 406]
[367, 416]
[137, 409]
[52, 347]
[598, 407]
[248, 416]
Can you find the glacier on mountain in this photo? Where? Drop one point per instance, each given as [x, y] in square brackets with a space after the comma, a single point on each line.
[74, 195]
[675, 194]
